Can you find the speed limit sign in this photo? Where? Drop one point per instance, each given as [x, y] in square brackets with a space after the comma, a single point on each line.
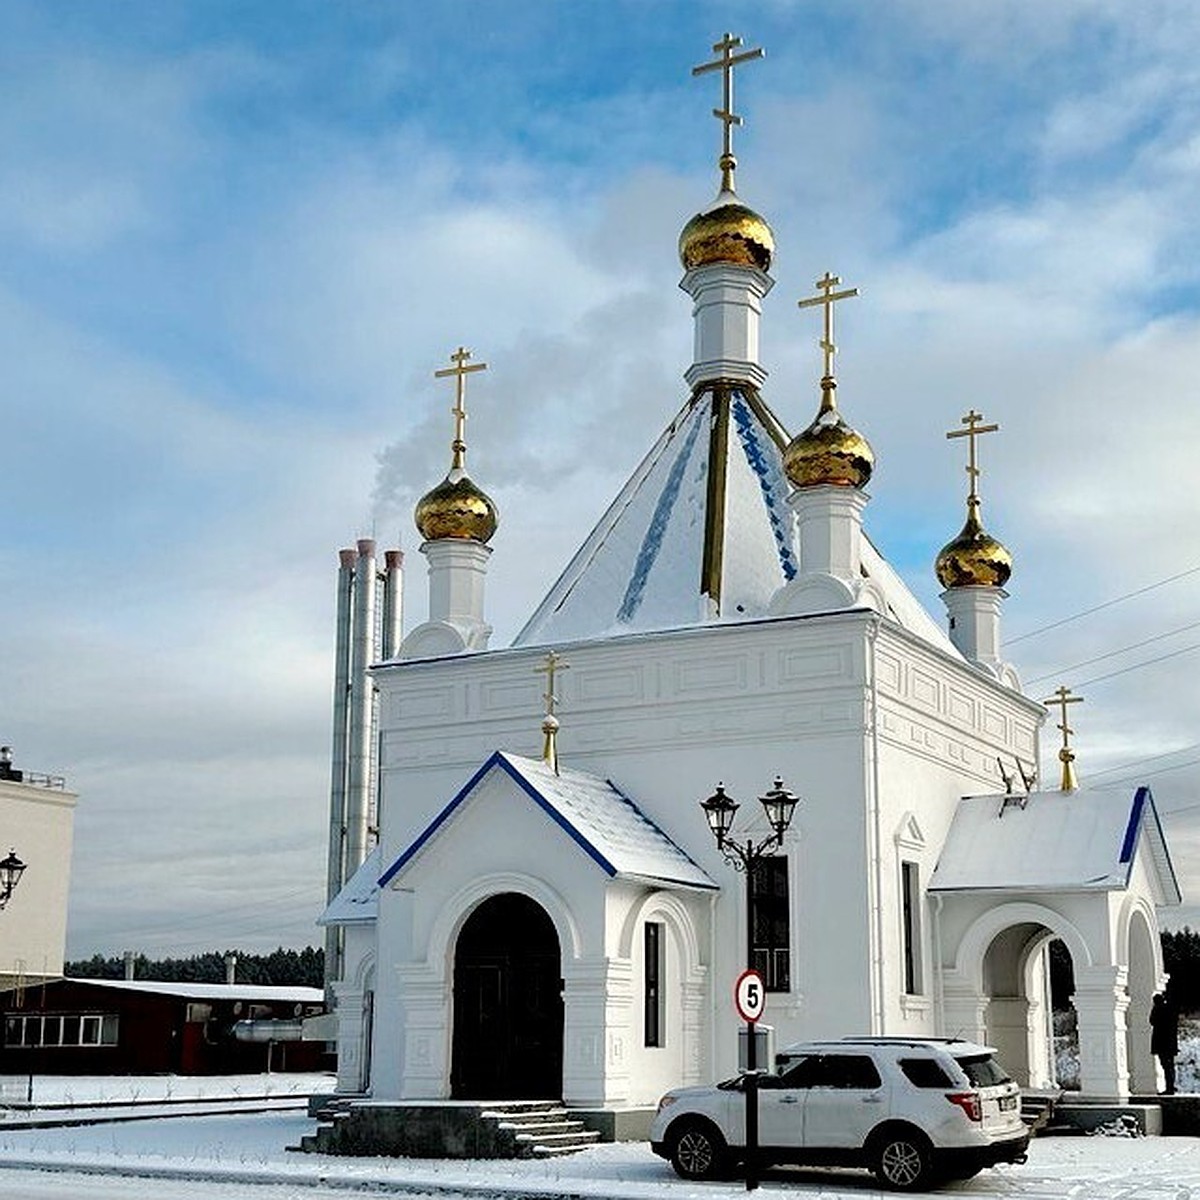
[749, 996]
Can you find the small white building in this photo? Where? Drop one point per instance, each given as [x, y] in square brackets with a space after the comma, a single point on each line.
[37, 816]
[547, 914]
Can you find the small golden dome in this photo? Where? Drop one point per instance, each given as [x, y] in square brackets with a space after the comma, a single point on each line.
[728, 232]
[829, 451]
[974, 558]
[456, 508]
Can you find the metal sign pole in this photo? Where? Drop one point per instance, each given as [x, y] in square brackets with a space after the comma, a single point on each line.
[751, 1106]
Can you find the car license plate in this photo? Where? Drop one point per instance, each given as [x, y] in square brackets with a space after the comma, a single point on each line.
[1008, 1103]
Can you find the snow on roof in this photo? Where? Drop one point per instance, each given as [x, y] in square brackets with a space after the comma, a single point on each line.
[644, 565]
[359, 898]
[603, 821]
[1053, 841]
[210, 991]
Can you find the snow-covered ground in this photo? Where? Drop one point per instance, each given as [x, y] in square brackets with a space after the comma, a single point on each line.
[245, 1158]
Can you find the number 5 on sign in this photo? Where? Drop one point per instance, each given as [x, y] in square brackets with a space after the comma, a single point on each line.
[749, 996]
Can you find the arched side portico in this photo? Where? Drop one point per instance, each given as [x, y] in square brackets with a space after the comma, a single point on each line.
[1141, 948]
[1000, 946]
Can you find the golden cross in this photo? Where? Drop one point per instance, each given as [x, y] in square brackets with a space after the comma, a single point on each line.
[725, 114]
[460, 371]
[974, 430]
[551, 665]
[827, 299]
[1062, 697]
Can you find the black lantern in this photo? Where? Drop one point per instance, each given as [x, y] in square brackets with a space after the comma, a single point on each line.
[779, 804]
[11, 870]
[719, 810]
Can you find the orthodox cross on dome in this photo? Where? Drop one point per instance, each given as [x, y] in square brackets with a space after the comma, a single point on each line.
[725, 114]
[973, 431]
[551, 665]
[827, 298]
[460, 358]
[1061, 698]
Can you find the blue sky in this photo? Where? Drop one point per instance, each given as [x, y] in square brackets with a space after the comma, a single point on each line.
[236, 239]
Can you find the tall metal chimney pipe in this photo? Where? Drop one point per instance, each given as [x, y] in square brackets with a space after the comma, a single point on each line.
[231, 968]
[393, 602]
[336, 871]
[129, 964]
[359, 756]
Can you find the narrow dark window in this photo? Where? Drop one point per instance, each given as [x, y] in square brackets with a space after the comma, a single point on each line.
[770, 920]
[910, 899]
[653, 984]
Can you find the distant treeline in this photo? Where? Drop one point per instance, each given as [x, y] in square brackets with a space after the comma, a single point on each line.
[1181, 960]
[283, 968]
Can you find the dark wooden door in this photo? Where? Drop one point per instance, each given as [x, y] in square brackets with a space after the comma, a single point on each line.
[508, 1012]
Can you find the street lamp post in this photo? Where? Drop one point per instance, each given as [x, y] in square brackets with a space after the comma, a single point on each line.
[779, 806]
[11, 870]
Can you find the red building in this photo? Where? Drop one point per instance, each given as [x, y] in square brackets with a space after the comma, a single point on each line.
[144, 1027]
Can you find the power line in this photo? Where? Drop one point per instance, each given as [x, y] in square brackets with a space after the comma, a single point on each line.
[1149, 758]
[1087, 662]
[1138, 666]
[1116, 783]
[1087, 612]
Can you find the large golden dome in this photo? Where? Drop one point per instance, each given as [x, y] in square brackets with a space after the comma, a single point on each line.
[456, 508]
[974, 558]
[728, 232]
[829, 452]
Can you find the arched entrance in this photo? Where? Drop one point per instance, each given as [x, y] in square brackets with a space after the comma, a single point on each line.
[508, 1009]
[1144, 971]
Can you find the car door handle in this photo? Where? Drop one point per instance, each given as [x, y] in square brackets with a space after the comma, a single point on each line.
[872, 1099]
[787, 1099]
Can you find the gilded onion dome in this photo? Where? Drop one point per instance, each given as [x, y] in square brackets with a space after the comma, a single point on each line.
[727, 232]
[829, 452]
[974, 558]
[457, 508]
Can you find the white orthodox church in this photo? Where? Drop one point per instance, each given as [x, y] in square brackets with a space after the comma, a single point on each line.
[546, 912]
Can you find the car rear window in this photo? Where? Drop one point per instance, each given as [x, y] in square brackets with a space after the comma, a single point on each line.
[925, 1073]
[983, 1070]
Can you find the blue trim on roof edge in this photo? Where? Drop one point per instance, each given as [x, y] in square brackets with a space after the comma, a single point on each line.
[497, 759]
[1135, 823]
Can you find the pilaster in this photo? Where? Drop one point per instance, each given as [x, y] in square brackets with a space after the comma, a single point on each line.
[1100, 1003]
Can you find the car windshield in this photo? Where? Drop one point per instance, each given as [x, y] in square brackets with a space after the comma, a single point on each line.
[983, 1070]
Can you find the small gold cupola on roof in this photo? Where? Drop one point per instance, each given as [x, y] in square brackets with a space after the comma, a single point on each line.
[457, 507]
[974, 558]
[728, 231]
[829, 451]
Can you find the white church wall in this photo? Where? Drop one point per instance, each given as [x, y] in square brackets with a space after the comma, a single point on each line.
[666, 716]
[37, 822]
[353, 995]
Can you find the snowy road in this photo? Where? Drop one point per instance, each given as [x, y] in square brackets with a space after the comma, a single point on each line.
[245, 1158]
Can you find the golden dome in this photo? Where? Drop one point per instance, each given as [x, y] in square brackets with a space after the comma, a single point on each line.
[829, 451]
[456, 508]
[728, 232]
[974, 558]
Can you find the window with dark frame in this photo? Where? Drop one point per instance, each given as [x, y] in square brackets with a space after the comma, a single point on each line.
[910, 899]
[652, 989]
[771, 922]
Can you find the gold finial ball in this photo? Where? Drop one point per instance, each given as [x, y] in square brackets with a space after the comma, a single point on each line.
[729, 232]
[973, 559]
[829, 452]
[457, 508]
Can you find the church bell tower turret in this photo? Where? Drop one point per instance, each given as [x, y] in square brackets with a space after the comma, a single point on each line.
[828, 464]
[457, 519]
[973, 568]
[726, 252]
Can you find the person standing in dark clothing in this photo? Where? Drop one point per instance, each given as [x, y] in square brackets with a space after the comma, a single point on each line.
[1164, 1038]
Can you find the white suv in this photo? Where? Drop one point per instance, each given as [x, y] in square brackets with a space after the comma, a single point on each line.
[916, 1111]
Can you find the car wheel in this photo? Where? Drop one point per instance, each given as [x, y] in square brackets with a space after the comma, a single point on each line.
[902, 1160]
[697, 1151]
